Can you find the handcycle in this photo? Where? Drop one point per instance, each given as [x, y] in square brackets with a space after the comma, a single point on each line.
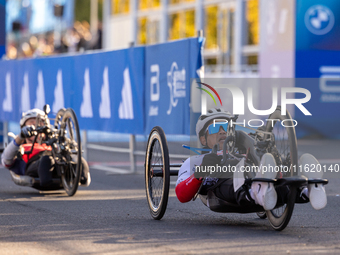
[274, 138]
[65, 141]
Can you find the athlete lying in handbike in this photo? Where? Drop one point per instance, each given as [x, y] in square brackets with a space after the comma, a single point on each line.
[261, 193]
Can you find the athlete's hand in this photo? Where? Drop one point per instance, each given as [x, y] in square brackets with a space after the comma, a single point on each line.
[27, 131]
[212, 159]
[209, 160]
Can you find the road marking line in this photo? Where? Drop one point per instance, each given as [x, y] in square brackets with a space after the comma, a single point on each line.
[115, 163]
[111, 169]
[121, 163]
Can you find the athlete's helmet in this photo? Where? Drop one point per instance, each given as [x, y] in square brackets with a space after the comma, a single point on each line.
[32, 114]
[204, 119]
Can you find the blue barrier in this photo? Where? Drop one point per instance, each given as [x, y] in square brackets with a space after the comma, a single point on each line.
[167, 85]
[109, 90]
[318, 56]
[2, 27]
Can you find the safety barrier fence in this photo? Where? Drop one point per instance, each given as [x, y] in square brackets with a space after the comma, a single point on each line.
[132, 151]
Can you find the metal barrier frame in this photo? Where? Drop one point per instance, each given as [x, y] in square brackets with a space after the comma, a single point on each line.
[85, 145]
[131, 150]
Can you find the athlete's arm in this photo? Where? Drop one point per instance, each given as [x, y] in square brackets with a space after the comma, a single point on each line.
[10, 152]
[187, 185]
[186, 190]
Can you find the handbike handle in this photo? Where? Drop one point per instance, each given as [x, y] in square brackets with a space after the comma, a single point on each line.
[39, 130]
[42, 129]
[215, 148]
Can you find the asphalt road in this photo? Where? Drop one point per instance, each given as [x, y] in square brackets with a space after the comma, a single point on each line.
[112, 217]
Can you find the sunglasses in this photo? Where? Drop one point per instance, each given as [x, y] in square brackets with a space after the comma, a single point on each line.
[215, 128]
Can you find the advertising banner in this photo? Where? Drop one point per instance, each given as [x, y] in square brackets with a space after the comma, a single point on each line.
[125, 91]
[169, 68]
[2, 28]
[318, 56]
[106, 90]
[110, 89]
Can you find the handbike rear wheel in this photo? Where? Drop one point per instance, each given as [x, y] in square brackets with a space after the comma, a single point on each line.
[157, 173]
[71, 142]
[262, 215]
[285, 154]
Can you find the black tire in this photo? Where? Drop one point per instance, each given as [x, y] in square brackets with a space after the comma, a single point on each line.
[285, 153]
[157, 161]
[71, 140]
[262, 215]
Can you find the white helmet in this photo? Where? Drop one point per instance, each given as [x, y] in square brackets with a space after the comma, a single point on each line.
[33, 114]
[204, 119]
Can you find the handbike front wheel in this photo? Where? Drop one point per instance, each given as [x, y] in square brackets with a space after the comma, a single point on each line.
[71, 142]
[285, 154]
[157, 173]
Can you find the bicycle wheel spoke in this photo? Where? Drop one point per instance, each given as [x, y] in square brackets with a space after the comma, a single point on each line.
[156, 183]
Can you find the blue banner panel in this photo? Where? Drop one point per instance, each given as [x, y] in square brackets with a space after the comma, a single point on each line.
[112, 89]
[324, 89]
[317, 24]
[120, 91]
[2, 28]
[318, 56]
[106, 90]
[169, 68]
[9, 96]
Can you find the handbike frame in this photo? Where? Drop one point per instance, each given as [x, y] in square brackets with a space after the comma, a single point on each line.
[251, 146]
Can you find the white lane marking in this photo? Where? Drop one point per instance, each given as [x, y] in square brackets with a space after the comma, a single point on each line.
[111, 169]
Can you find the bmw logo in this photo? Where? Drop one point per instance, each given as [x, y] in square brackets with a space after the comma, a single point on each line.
[319, 19]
